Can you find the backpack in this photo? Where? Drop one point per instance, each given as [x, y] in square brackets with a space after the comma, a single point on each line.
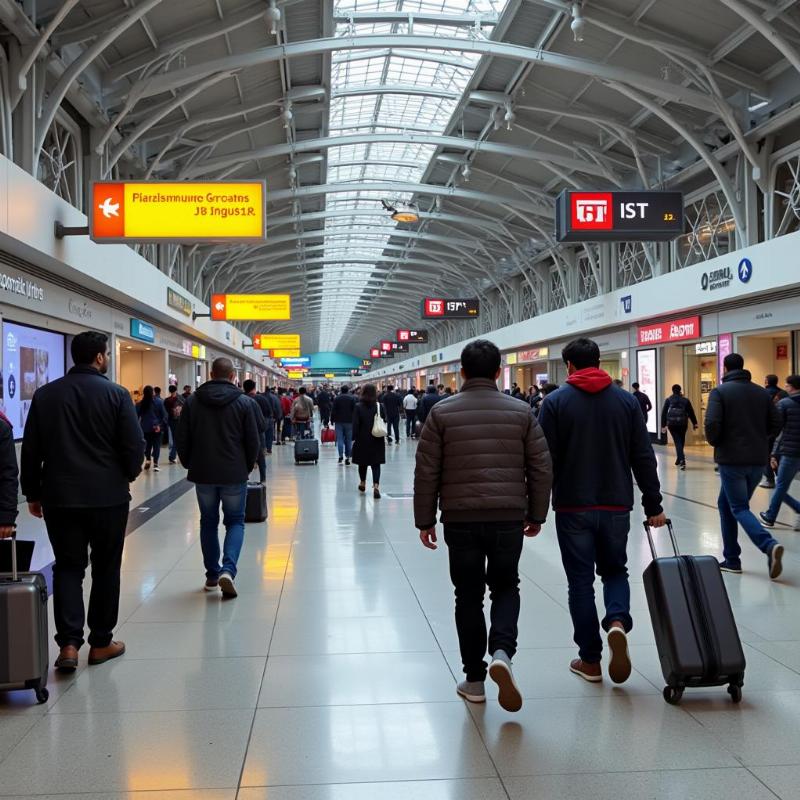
[301, 413]
[676, 414]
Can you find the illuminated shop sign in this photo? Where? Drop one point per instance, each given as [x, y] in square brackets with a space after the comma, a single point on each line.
[442, 308]
[678, 330]
[618, 216]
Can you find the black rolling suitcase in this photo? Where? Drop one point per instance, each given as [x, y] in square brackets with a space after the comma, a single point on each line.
[696, 635]
[255, 509]
[306, 449]
[23, 630]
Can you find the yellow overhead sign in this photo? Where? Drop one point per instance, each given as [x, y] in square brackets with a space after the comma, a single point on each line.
[277, 341]
[250, 306]
[330, 375]
[179, 211]
[285, 353]
[296, 375]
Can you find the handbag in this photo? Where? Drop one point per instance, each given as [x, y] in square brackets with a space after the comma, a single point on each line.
[379, 429]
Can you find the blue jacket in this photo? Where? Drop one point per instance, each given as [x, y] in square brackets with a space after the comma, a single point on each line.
[155, 415]
[788, 443]
[597, 436]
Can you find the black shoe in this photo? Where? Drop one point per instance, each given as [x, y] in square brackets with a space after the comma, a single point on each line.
[734, 567]
[341, 460]
[347, 462]
[774, 560]
[766, 521]
[683, 466]
[677, 462]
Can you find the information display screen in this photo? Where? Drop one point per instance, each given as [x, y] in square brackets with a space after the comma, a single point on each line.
[412, 336]
[647, 377]
[619, 216]
[400, 347]
[32, 357]
[443, 308]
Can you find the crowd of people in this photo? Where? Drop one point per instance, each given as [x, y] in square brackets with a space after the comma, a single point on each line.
[578, 447]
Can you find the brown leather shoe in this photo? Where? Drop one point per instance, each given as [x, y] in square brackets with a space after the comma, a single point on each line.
[67, 660]
[589, 672]
[99, 655]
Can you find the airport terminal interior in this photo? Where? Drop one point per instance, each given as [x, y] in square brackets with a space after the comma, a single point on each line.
[324, 196]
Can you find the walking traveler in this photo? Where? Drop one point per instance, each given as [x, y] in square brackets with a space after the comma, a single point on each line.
[676, 415]
[277, 417]
[740, 421]
[786, 455]
[153, 419]
[81, 448]
[9, 479]
[187, 391]
[369, 450]
[597, 437]
[410, 408]
[392, 403]
[492, 491]
[302, 413]
[643, 399]
[286, 409]
[427, 402]
[344, 405]
[173, 406]
[324, 400]
[776, 394]
[264, 417]
[218, 442]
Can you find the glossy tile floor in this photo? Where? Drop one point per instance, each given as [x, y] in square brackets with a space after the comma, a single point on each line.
[332, 676]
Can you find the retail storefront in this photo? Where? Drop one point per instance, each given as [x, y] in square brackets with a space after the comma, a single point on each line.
[526, 368]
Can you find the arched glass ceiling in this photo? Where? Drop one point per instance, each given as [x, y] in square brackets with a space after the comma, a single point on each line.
[382, 111]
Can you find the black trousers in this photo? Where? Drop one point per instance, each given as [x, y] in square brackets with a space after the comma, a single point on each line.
[75, 533]
[393, 424]
[376, 472]
[679, 437]
[485, 554]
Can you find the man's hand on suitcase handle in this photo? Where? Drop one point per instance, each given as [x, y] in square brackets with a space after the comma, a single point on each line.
[7, 531]
[657, 521]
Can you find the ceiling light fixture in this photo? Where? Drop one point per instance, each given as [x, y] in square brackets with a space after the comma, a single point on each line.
[287, 115]
[578, 22]
[466, 172]
[402, 212]
[273, 17]
[509, 117]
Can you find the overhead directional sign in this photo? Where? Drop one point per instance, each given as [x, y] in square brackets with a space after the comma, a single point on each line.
[443, 308]
[276, 341]
[258, 307]
[290, 353]
[296, 375]
[386, 346]
[180, 211]
[412, 336]
[366, 362]
[302, 361]
[618, 216]
[374, 352]
[400, 347]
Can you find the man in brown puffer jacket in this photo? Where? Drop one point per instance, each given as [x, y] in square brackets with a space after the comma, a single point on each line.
[484, 459]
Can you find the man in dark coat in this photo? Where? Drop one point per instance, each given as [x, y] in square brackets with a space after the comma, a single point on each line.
[426, 403]
[324, 400]
[740, 421]
[676, 415]
[392, 402]
[81, 448]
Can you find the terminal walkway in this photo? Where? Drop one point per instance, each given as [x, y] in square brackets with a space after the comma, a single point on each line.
[332, 675]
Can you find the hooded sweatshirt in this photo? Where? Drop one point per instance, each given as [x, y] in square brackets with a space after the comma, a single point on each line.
[597, 437]
[218, 436]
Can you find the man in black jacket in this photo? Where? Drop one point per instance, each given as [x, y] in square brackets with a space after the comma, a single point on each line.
[277, 416]
[342, 417]
[323, 400]
[643, 400]
[392, 403]
[218, 442]
[675, 417]
[597, 436]
[9, 479]
[740, 420]
[428, 401]
[264, 422]
[776, 395]
[786, 455]
[81, 448]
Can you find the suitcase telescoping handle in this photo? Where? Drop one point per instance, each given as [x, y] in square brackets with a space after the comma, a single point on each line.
[14, 574]
[671, 536]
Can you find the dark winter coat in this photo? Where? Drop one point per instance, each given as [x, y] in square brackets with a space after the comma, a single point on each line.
[740, 421]
[9, 474]
[218, 437]
[323, 400]
[484, 458]
[392, 403]
[344, 405]
[155, 416]
[82, 443]
[644, 402]
[597, 436]
[673, 401]
[427, 402]
[788, 443]
[367, 449]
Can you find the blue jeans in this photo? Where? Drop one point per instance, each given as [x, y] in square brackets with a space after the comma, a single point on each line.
[173, 438]
[737, 486]
[590, 539]
[344, 439]
[411, 421]
[233, 498]
[787, 469]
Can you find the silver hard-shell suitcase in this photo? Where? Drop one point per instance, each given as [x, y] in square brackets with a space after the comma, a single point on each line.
[24, 641]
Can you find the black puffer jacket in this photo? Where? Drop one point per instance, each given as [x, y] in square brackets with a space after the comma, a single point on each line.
[8, 474]
[427, 402]
[484, 458]
[342, 410]
[788, 443]
[392, 402]
[740, 420]
[218, 438]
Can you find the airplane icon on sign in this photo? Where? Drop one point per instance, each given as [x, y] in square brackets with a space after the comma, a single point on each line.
[220, 306]
[109, 208]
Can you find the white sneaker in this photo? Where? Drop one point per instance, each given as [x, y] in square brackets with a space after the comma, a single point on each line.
[156, 469]
[226, 585]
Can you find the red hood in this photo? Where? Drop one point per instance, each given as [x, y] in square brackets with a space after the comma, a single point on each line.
[592, 380]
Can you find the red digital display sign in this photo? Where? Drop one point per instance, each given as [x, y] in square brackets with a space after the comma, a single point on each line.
[412, 336]
[442, 308]
[678, 330]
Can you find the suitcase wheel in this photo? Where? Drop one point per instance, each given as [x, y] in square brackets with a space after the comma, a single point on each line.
[735, 692]
[297, 461]
[315, 461]
[42, 696]
[673, 695]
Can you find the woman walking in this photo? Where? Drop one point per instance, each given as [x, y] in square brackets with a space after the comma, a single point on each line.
[152, 417]
[369, 450]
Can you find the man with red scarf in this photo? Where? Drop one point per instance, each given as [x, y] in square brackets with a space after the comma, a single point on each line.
[597, 436]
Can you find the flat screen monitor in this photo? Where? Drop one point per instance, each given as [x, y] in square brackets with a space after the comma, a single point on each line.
[32, 357]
